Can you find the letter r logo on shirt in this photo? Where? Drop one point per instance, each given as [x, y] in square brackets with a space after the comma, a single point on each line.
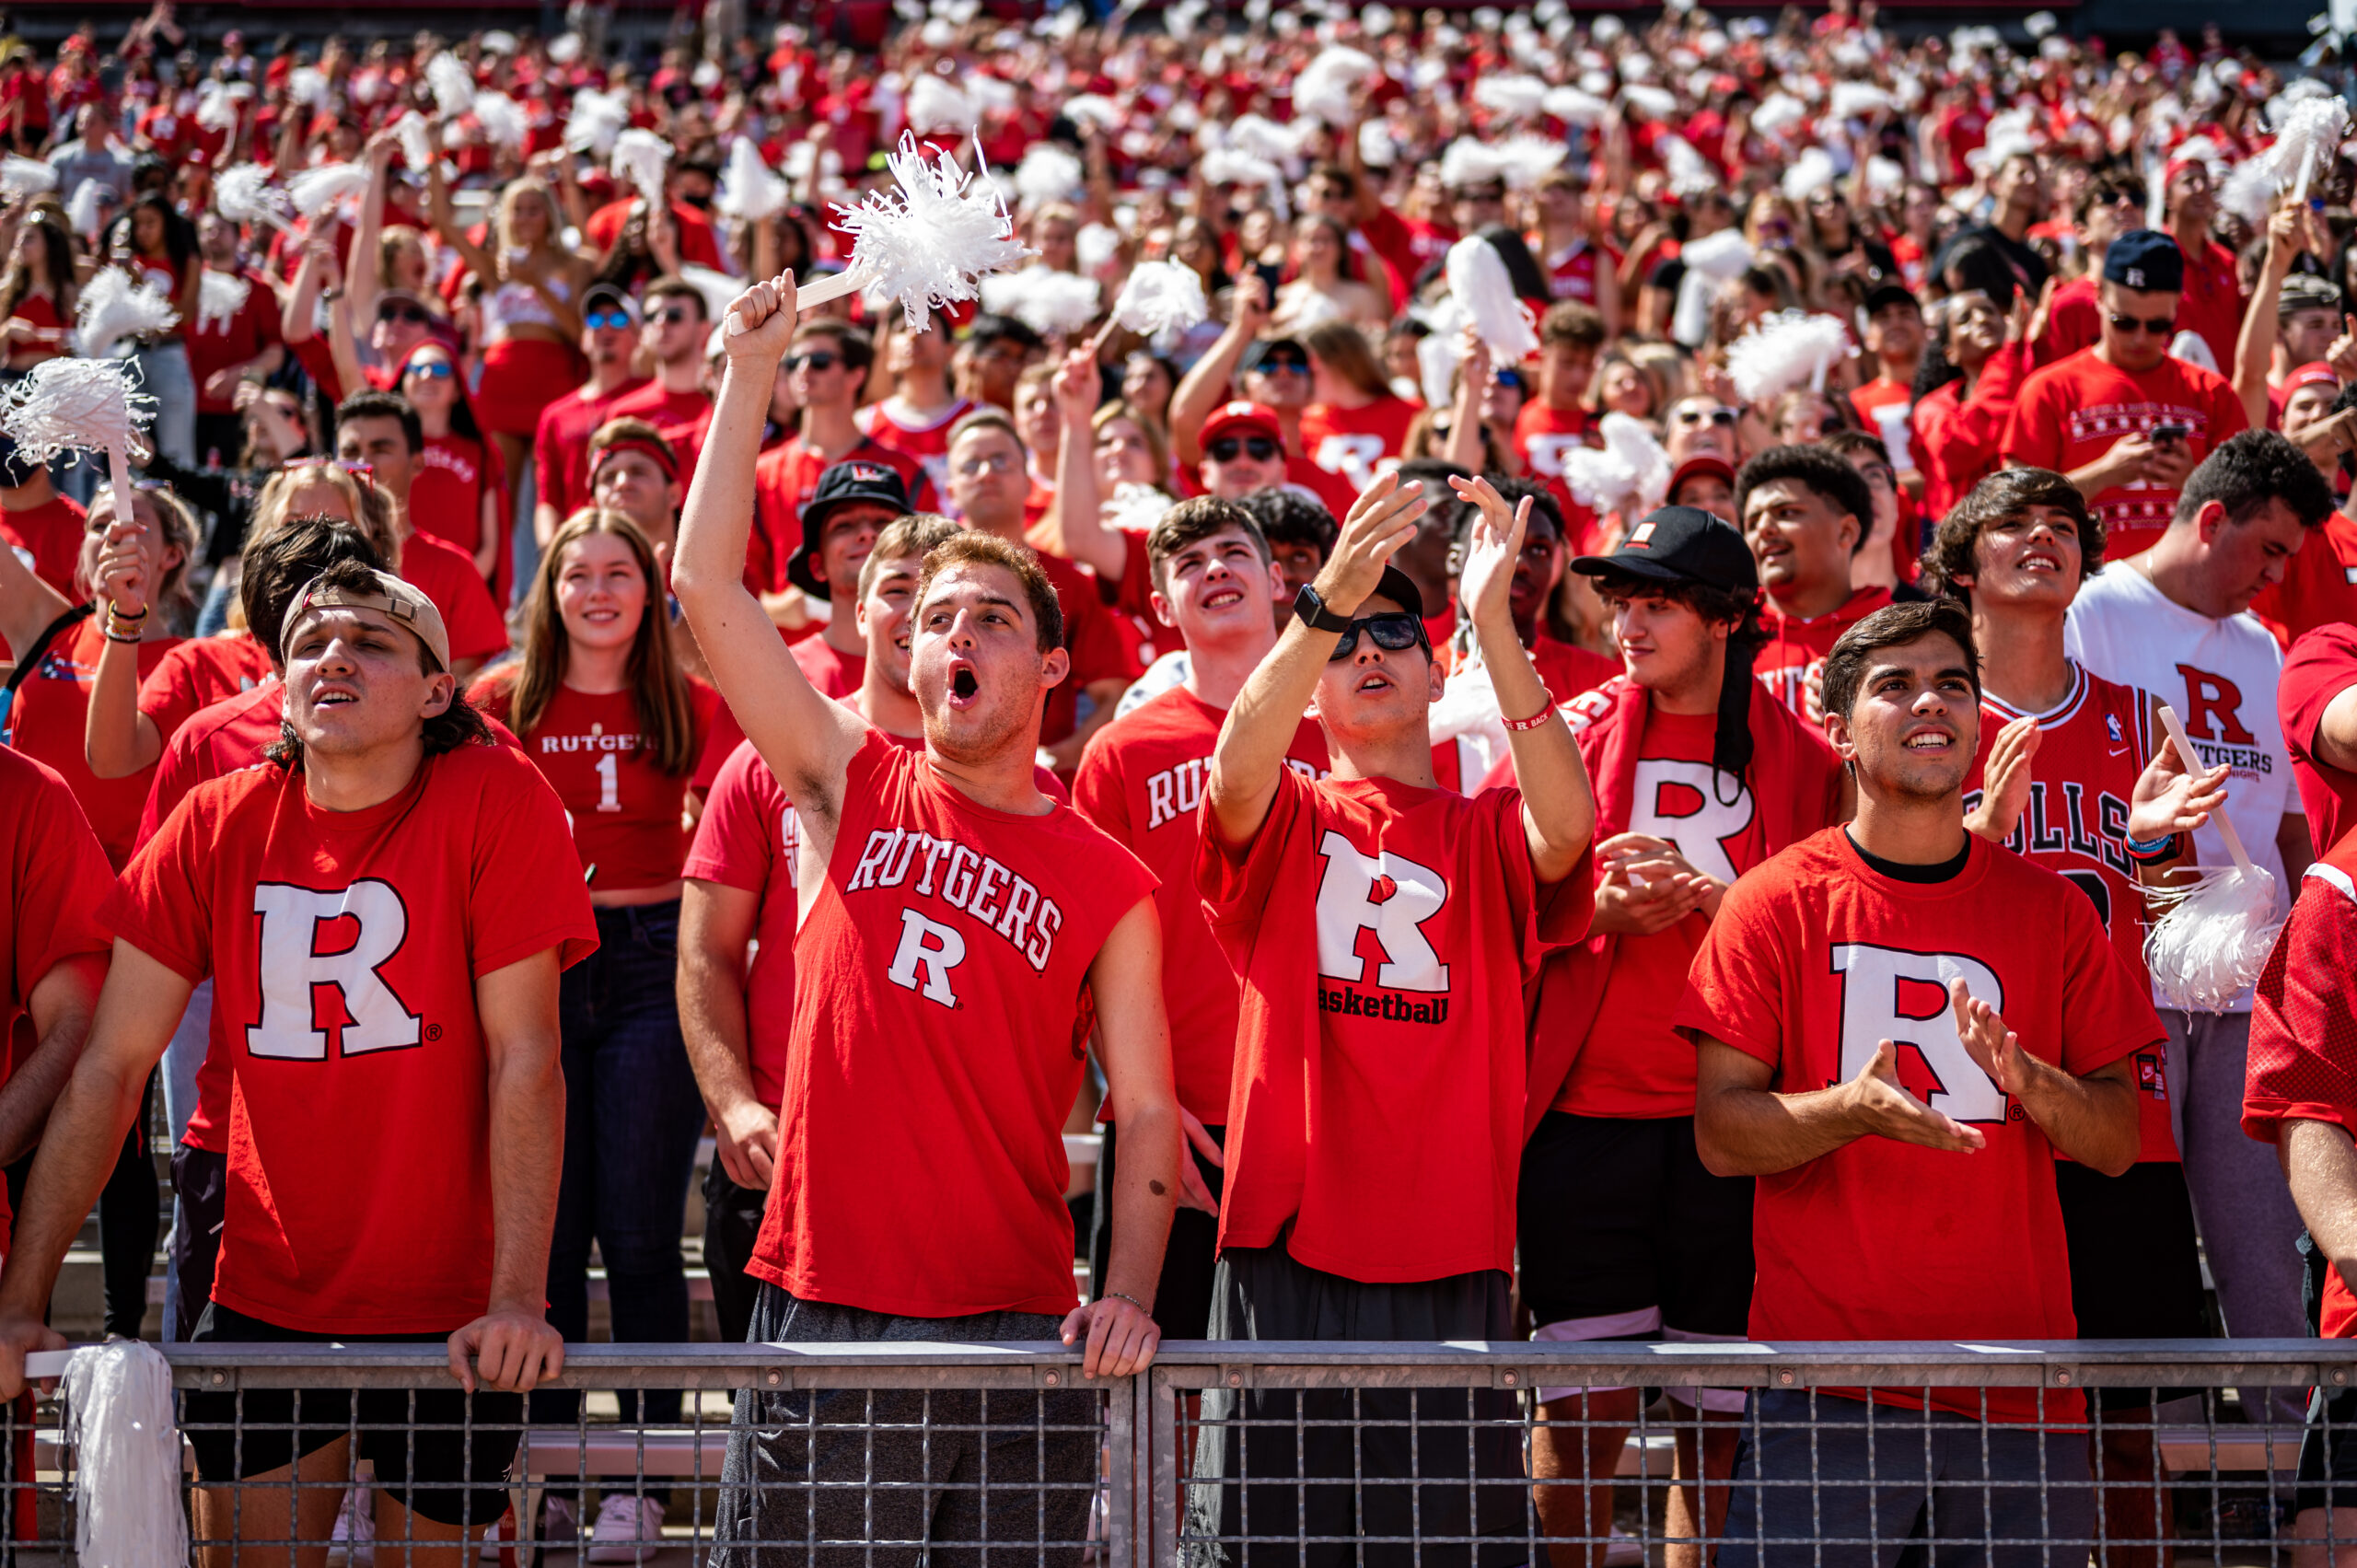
[1872, 1011]
[293, 970]
[1392, 896]
[2213, 708]
[929, 946]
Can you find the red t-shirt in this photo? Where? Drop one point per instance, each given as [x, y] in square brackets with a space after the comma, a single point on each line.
[1815, 956]
[51, 534]
[220, 342]
[1352, 441]
[50, 716]
[2212, 305]
[561, 446]
[447, 574]
[445, 497]
[1574, 272]
[678, 417]
[829, 671]
[2092, 748]
[1794, 642]
[1567, 670]
[198, 673]
[52, 876]
[2319, 667]
[629, 817]
[786, 477]
[1543, 434]
[216, 740]
[1142, 780]
[344, 948]
[748, 839]
[2319, 585]
[928, 444]
[941, 1030]
[2074, 322]
[1384, 934]
[2072, 413]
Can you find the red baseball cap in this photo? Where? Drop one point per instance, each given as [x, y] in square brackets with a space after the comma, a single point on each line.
[1241, 417]
[2315, 373]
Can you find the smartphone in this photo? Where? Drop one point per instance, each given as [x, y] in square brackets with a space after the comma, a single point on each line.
[2170, 435]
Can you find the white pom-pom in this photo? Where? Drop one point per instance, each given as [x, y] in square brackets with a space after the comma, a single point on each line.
[1788, 349]
[115, 305]
[2038, 24]
[2213, 937]
[1629, 474]
[596, 121]
[1161, 300]
[504, 121]
[2248, 192]
[118, 1400]
[1658, 103]
[1718, 256]
[1323, 90]
[1135, 508]
[1884, 177]
[77, 405]
[23, 177]
[219, 297]
[937, 104]
[316, 191]
[308, 85]
[1778, 111]
[2279, 108]
[1574, 107]
[747, 190]
[1231, 165]
[1377, 19]
[1466, 162]
[1856, 101]
[1376, 149]
[415, 134]
[1264, 137]
[1094, 109]
[640, 159]
[1049, 173]
[2308, 141]
[1689, 172]
[1511, 96]
[925, 242]
[1047, 301]
[244, 194]
[86, 210]
[451, 83]
[1478, 282]
[1525, 159]
[1812, 171]
[992, 94]
[216, 107]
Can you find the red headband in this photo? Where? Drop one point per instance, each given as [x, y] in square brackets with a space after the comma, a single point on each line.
[654, 450]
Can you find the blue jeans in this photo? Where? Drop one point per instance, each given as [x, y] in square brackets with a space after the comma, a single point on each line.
[631, 1114]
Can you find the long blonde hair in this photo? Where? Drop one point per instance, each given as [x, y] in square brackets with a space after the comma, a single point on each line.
[530, 185]
[666, 716]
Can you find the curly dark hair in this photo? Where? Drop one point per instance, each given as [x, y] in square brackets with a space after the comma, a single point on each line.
[1830, 477]
[1895, 626]
[2003, 494]
[2245, 472]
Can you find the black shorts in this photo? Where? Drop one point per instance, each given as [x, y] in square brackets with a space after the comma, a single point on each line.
[1620, 1216]
[201, 1184]
[2134, 1271]
[1182, 1300]
[2328, 1452]
[461, 1444]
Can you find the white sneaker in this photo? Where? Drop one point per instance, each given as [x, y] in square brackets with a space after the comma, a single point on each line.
[559, 1527]
[629, 1529]
[355, 1526]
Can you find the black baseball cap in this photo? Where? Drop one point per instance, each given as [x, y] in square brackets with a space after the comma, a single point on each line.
[2147, 260]
[598, 294]
[1680, 545]
[1260, 349]
[855, 478]
[1883, 294]
[1400, 589]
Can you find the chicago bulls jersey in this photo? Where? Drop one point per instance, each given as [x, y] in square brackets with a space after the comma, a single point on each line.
[748, 839]
[1141, 780]
[2091, 749]
[344, 948]
[2073, 412]
[939, 1027]
[1812, 960]
[1384, 934]
[2221, 677]
[1357, 442]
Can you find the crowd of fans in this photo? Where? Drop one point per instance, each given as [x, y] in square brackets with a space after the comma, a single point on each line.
[1905, 419]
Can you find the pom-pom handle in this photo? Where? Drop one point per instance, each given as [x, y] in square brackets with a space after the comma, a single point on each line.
[820, 292]
[2192, 761]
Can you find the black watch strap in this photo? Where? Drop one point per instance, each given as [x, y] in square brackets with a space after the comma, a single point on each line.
[1311, 611]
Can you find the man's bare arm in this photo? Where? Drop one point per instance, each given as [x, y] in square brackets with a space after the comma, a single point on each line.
[2321, 1162]
[61, 1006]
[522, 1048]
[716, 925]
[1743, 1129]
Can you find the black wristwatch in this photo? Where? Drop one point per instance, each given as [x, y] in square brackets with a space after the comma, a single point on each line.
[1311, 611]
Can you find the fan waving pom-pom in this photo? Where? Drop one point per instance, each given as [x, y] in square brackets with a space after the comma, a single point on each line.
[2308, 141]
[641, 157]
[452, 84]
[23, 177]
[81, 405]
[747, 190]
[1788, 349]
[115, 305]
[1478, 281]
[245, 195]
[1162, 301]
[2214, 935]
[315, 192]
[127, 1474]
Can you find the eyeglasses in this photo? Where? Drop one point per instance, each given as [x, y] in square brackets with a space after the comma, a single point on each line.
[673, 316]
[997, 462]
[818, 360]
[1225, 450]
[607, 320]
[432, 369]
[1706, 416]
[414, 314]
[2159, 326]
[1395, 632]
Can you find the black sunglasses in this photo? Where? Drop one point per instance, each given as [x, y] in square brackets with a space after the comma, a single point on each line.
[817, 360]
[1223, 450]
[1394, 632]
[673, 316]
[1697, 416]
[414, 314]
[2160, 326]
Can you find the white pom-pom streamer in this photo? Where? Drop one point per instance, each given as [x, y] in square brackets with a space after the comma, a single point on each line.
[747, 190]
[1047, 301]
[114, 305]
[219, 297]
[1478, 282]
[1777, 112]
[1629, 474]
[216, 109]
[1466, 162]
[640, 157]
[1049, 173]
[2213, 937]
[1689, 171]
[316, 191]
[1232, 165]
[504, 121]
[118, 1400]
[1812, 171]
[1658, 103]
[1574, 107]
[937, 104]
[244, 194]
[2248, 191]
[23, 177]
[415, 134]
[2308, 140]
[1527, 159]
[81, 405]
[1264, 137]
[1323, 88]
[1511, 97]
[1161, 300]
[1094, 109]
[1135, 508]
[598, 118]
[86, 210]
[1788, 349]
[1856, 101]
[308, 85]
[2038, 24]
[451, 83]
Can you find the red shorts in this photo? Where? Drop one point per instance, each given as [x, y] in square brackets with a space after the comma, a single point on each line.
[520, 377]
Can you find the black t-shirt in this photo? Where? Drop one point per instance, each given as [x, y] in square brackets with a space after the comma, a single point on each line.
[1900, 871]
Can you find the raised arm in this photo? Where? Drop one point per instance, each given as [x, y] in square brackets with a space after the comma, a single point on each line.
[118, 739]
[1247, 763]
[1742, 1128]
[1558, 807]
[1204, 387]
[445, 218]
[807, 740]
[513, 1342]
[360, 280]
[1465, 431]
[1076, 519]
[2255, 345]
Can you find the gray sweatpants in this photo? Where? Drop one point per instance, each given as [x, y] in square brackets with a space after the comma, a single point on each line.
[889, 1478]
[2250, 1230]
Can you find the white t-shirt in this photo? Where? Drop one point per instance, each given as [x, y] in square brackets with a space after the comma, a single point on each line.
[2221, 677]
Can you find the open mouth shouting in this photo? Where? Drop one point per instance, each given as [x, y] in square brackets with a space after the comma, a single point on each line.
[965, 684]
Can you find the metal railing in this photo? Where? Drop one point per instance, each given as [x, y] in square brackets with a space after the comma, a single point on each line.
[1254, 1454]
